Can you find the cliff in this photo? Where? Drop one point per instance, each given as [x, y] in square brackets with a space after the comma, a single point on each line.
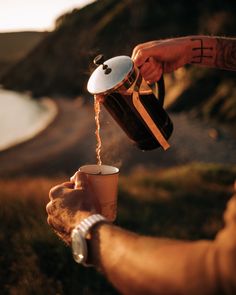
[62, 62]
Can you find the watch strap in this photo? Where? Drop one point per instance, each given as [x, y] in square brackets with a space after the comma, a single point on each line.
[78, 236]
[86, 224]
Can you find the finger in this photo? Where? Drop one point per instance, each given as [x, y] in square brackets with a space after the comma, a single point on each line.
[49, 220]
[48, 208]
[58, 191]
[81, 180]
[141, 46]
[68, 184]
[156, 51]
[152, 64]
[154, 76]
[136, 49]
[143, 54]
[51, 207]
[153, 71]
[140, 58]
[72, 179]
[147, 70]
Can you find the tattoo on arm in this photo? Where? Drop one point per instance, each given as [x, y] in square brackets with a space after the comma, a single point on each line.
[226, 54]
[201, 52]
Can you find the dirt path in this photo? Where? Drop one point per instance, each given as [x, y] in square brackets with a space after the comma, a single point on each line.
[70, 142]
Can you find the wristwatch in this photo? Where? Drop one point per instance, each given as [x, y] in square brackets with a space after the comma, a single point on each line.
[78, 237]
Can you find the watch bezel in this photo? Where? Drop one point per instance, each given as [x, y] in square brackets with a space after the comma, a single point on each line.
[79, 246]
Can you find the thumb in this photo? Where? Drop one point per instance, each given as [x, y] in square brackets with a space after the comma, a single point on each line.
[80, 180]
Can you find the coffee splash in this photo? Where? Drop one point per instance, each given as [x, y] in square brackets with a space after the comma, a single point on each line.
[97, 110]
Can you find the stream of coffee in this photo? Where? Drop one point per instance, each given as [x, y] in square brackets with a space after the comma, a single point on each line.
[97, 110]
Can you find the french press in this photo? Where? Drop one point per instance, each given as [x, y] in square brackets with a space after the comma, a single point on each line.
[134, 104]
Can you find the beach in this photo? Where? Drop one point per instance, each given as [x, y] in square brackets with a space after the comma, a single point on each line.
[69, 142]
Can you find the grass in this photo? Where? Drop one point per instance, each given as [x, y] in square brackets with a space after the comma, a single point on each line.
[183, 202]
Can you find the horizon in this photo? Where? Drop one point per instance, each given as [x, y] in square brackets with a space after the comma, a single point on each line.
[29, 15]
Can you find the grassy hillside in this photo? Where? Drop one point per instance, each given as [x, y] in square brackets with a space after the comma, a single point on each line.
[209, 94]
[185, 202]
[14, 46]
[62, 61]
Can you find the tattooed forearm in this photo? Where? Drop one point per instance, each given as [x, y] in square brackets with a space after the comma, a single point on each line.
[226, 54]
[200, 51]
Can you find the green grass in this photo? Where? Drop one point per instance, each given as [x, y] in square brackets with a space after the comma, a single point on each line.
[183, 202]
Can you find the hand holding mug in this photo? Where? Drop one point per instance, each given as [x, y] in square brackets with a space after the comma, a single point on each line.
[68, 206]
[92, 189]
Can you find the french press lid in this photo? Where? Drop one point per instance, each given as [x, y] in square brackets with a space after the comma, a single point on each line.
[110, 74]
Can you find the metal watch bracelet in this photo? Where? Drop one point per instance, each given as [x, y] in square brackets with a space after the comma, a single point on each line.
[78, 236]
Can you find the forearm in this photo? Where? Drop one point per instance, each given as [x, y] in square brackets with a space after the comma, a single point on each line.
[215, 52]
[143, 265]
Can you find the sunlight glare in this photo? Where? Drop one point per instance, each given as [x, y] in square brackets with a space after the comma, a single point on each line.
[38, 15]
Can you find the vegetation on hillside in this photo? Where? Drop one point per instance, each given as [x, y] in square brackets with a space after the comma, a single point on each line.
[185, 202]
[62, 61]
[15, 46]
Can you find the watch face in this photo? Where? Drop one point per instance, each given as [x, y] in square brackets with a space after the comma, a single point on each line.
[79, 246]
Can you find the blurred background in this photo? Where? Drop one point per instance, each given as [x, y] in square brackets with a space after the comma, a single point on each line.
[47, 131]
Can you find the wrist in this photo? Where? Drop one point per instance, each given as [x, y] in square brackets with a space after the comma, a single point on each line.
[99, 232]
[80, 236]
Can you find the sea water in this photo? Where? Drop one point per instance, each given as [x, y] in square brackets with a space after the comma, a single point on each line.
[22, 117]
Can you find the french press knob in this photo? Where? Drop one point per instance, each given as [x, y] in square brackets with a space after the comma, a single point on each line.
[99, 60]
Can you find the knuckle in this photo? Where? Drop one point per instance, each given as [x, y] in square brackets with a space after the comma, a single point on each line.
[55, 191]
[137, 47]
[53, 206]
[49, 220]
[48, 207]
[141, 53]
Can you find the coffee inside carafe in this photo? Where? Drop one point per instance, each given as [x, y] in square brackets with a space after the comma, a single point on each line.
[132, 123]
[139, 112]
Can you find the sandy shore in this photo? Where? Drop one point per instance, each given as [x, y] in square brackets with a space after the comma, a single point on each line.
[69, 142]
[22, 117]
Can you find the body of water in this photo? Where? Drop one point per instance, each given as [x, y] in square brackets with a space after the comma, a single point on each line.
[22, 117]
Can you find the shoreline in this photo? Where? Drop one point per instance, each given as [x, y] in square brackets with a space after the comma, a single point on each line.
[47, 116]
[69, 142]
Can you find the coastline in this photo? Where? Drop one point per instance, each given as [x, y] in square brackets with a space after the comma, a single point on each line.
[69, 142]
[23, 118]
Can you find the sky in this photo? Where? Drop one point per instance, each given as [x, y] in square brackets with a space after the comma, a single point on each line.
[39, 15]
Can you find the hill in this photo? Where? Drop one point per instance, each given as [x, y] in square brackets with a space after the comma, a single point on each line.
[62, 61]
[15, 46]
